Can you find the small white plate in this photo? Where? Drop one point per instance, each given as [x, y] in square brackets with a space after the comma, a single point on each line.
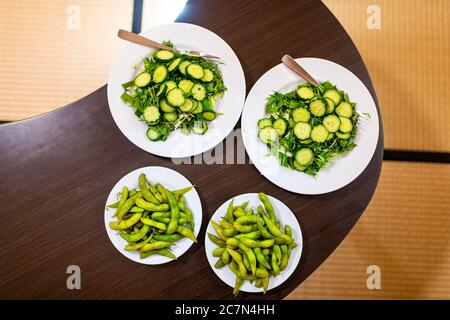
[185, 37]
[284, 214]
[344, 168]
[170, 179]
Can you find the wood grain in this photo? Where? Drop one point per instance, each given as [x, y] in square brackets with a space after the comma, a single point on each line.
[56, 171]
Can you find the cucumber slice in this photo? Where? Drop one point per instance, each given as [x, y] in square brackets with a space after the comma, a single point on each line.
[163, 55]
[317, 107]
[200, 127]
[342, 135]
[209, 75]
[280, 125]
[182, 66]
[198, 92]
[305, 93]
[151, 114]
[334, 95]
[153, 134]
[195, 71]
[142, 79]
[209, 115]
[346, 125]
[170, 85]
[159, 74]
[185, 85]
[187, 106]
[319, 134]
[330, 105]
[301, 115]
[264, 122]
[174, 64]
[162, 89]
[302, 130]
[198, 107]
[268, 135]
[165, 107]
[299, 167]
[332, 123]
[175, 97]
[344, 109]
[171, 116]
[304, 157]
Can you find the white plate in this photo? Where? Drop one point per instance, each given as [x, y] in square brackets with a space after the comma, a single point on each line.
[343, 169]
[284, 214]
[184, 36]
[169, 179]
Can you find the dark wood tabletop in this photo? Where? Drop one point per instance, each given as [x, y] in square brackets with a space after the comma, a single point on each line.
[56, 171]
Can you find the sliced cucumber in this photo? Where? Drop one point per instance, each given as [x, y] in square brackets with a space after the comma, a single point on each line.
[153, 134]
[342, 135]
[159, 74]
[302, 130]
[165, 107]
[264, 122]
[209, 115]
[170, 85]
[330, 105]
[200, 127]
[344, 109]
[268, 135]
[299, 167]
[346, 125]
[317, 107]
[280, 125]
[198, 92]
[175, 97]
[304, 157]
[332, 123]
[182, 66]
[195, 71]
[187, 106]
[151, 114]
[185, 85]
[209, 75]
[301, 115]
[305, 93]
[164, 55]
[142, 79]
[174, 64]
[198, 107]
[171, 116]
[334, 95]
[319, 133]
[162, 89]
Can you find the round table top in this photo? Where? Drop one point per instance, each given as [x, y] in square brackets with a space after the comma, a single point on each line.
[57, 169]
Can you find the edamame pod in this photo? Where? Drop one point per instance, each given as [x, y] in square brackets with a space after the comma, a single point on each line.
[284, 257]
[258, 283]
[125, 224]
[288, 230]
[237, 285]
[250, 255]
[257, 244]
[229, 215]
[162, 192]
[123, 198]
[168, 237]
[265, 284]
[219, 230]
[261, 273]
[163, 252]
[261, 258]
[137, 246]
[238, 259]
[174, 212]
[239, 212]
[126, 206]
[243, 228]
[136, 209]
[274, 264]
[136, 236]
[231, 232]
[277, 232]
[219, 264]
[277, 251]
[225, 257]
[232, 242]
[217, 252]
[155, 246]
[216, 240]
[246, 263]
[244, 205]
[145, 192]
[266, 251]
[154, 223]
[264, 232]
[114, 205]
[151, 206]
[269, 209]
[246, 219]
[187, 233]
[187, 211]
[251, 235]
[180, 192]
[225, 224]
[235, 269]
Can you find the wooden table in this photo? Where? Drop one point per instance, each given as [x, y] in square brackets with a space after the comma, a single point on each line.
[57, 169]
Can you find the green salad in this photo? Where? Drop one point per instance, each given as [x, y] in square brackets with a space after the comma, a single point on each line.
[309, 126]
[175, 90]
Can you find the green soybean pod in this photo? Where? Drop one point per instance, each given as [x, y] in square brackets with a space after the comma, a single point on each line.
[217, 252]
[155, 245]
[225, 224]
[265, 284]
[237, 285]
[251, 235]
[238, 259]
[274, 264]
[259, 283]
[261, 273]
[266, 251]
[244, 205]
[269, 209]
[275, 231]
[288, 230]
[174, 211]
[261, 258]
[284, 257]
[153, 223]
[168, 237]
[277, 251]
[123, 198]
[231, 232]
[163, 252]
[216, 240]
[162, 192]
[246, 262]
[219, 230]
[136, 236]
[225, 257]
[187, 233]
[219, 264]
[145, 192]
[180, 192]
[229, 214]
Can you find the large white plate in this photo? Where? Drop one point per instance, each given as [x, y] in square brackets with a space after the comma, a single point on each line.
[170, 179]
[284, 214]
[343, 169]
[184, 36]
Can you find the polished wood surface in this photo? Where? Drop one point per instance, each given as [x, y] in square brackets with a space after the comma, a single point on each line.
[56, 171]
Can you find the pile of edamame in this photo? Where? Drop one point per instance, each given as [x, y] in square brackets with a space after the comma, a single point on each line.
[252, 244]
[152, 218]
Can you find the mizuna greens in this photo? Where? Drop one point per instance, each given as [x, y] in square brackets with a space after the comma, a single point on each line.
[309, 126]
[174, 90]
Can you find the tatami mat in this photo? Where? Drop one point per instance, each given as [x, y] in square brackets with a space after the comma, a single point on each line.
[46, 61]
[409, 61]
[404, 231]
